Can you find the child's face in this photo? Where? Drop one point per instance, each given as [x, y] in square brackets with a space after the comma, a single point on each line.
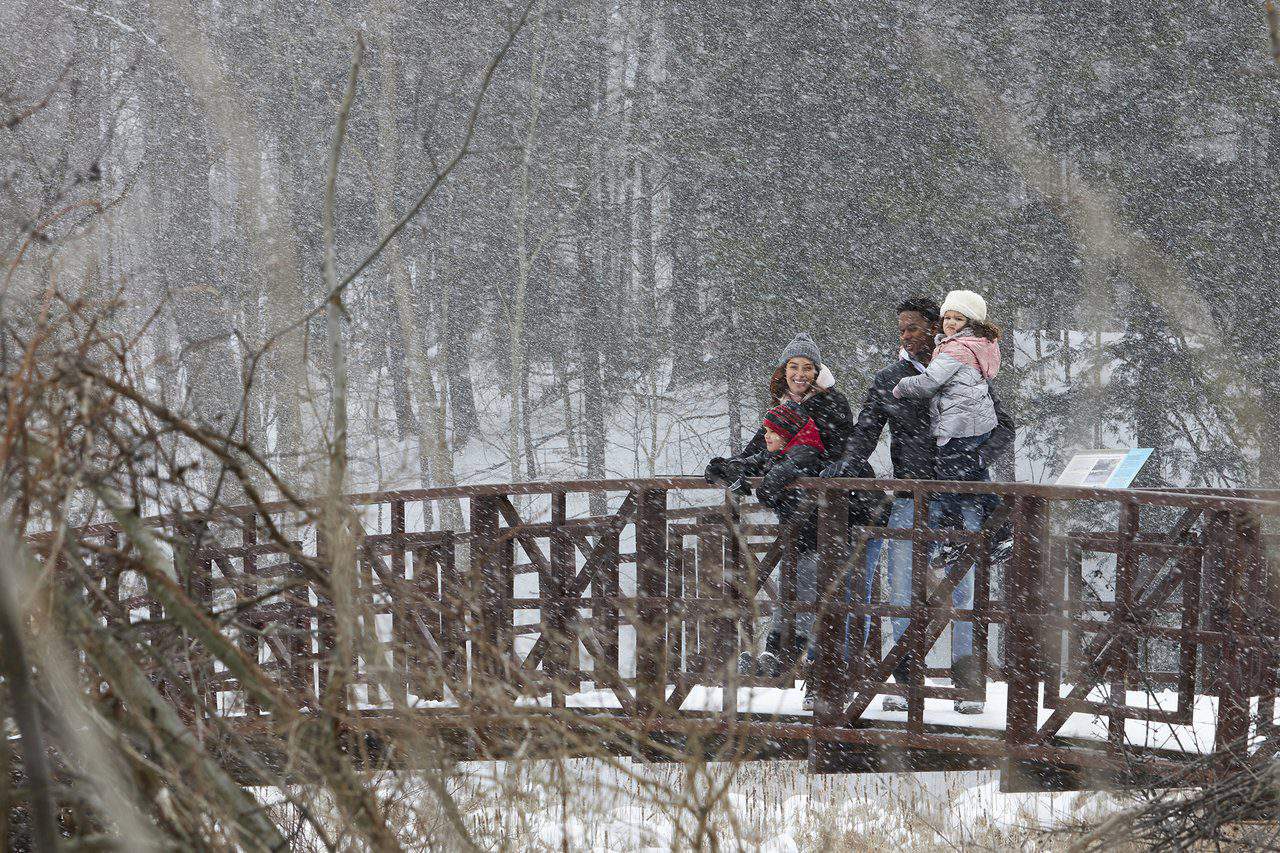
[772, 441]
[952, 322]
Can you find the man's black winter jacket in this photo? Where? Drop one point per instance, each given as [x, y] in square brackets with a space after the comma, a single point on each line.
[911, 441]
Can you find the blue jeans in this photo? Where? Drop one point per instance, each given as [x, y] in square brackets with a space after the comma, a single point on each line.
[900, 552]
[806, 593]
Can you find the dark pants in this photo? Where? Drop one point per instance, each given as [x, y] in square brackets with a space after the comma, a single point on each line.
[958, 460]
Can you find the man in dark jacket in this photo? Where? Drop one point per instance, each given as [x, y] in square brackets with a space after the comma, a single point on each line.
[911, 441]
[912, 446]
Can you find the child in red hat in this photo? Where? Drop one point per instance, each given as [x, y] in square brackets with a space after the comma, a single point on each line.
[786, 427]
[789, 433]
[793, 450]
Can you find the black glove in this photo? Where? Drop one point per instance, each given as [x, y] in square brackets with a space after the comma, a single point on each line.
[740, 487]
[849, 468]
[715, 473]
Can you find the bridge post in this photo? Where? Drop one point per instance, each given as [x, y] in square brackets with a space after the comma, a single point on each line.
[1023, 598]
[1266, 630]
[325, 637]
[491, 564]
[826, 673]
[651, 562]
[1230, 741]
[400, 659]
[452, 592]
[553, 588]
[712, 630]
[247, 589]
[196, 577]
[1122, 613]
[917, 647]
[1213, 613]
[1258, 601]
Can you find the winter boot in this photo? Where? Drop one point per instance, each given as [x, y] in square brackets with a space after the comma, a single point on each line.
[898, 703]
[769, 664]
[798, 658]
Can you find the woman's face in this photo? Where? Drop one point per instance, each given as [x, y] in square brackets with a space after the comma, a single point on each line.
[952, 322]
[773, 442]
[800, 375]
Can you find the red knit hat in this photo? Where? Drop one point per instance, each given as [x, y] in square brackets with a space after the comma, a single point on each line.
[786, 420]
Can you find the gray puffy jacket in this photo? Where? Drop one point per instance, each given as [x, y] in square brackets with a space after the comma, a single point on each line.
[956, 380]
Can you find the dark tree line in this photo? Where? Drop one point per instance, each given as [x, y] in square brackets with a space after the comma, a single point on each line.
[657, 195]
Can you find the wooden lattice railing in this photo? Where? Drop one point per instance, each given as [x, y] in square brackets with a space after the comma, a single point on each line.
[537, 604]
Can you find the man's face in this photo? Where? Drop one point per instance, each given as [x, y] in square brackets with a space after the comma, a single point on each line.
[916, 333]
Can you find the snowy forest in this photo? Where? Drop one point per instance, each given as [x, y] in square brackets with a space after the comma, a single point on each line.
[616, 214]
[267, 268]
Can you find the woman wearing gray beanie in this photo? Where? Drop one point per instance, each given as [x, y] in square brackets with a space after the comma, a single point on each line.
[802, 379]
[803, 382]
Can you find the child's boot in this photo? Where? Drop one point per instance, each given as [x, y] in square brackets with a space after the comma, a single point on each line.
[768, 665]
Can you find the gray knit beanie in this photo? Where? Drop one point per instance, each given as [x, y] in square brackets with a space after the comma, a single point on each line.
[802, 347]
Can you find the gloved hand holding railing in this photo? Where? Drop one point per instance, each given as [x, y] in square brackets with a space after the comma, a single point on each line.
[728, 473]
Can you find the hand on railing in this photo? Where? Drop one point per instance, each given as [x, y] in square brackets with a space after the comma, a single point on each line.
[727, 473]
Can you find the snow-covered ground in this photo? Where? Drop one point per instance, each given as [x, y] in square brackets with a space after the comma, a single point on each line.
[620, 805]
[603, 804]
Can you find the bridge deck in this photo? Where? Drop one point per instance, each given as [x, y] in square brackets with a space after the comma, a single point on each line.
[787, 706]
[761, 702]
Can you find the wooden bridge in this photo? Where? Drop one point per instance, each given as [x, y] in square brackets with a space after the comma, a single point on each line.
[1129, 637]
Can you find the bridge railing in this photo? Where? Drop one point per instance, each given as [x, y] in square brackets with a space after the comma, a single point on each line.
[1107, 599]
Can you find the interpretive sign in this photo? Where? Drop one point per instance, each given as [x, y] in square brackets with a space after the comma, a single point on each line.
[1104, 469]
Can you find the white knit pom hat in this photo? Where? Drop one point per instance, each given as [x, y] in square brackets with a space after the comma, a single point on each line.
[967, 303]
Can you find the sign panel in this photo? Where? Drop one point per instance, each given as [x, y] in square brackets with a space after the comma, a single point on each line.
[1104, 469]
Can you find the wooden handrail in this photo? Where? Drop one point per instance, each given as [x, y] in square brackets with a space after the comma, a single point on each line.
[1263, 502]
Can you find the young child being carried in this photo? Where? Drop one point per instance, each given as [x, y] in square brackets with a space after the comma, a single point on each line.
[793, 450]
[965, 360]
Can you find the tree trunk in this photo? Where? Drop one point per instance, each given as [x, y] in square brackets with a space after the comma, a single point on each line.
[562, 382]
[200, 309]
[397, 366]
[531, 463]
[462, 395]
[729, 365]
[432, 444]
[588, 327]
[272, 241]
[524, 261]
[733, 389]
